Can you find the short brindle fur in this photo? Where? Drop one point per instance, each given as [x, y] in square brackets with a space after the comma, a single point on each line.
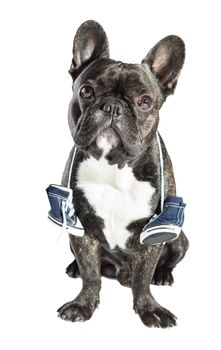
[120, 103]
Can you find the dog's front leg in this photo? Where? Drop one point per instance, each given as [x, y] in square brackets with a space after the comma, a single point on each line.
[144, 263]
[87, 254]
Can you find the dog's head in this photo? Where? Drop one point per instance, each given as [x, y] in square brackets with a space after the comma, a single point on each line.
[115, 106]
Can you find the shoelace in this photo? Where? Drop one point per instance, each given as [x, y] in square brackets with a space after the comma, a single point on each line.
[65, 205]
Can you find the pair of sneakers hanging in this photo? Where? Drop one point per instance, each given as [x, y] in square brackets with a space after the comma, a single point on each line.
[160, 228]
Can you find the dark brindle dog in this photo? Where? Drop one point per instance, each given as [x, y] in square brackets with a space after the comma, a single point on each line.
[113, 118]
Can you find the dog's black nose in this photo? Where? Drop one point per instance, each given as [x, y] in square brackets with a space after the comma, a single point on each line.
[114, 108]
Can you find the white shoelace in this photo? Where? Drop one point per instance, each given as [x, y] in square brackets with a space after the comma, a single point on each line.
[65, 205]
[161, 172]
[71, 167]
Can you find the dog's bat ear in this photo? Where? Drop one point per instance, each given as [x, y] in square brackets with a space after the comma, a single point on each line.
[90, 43]
[165, 60]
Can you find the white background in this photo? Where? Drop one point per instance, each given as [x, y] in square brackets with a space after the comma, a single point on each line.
[35, 54]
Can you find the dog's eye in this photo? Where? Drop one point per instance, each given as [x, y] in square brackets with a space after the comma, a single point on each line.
[145, 102]
[87, 92]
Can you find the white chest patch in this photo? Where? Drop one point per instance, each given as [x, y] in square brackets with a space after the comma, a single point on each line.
[116, 196]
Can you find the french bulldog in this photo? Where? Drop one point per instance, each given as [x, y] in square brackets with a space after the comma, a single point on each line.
[113, 118]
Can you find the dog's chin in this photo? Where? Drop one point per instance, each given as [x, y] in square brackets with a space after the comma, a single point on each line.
[107, 139]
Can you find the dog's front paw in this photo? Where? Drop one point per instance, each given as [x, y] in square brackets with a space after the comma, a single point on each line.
[163, 277]
[159, 317]
[81, 308]
[74, 312]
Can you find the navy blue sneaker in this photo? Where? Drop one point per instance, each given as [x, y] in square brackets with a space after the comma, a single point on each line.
[167, 225]
[62, 211]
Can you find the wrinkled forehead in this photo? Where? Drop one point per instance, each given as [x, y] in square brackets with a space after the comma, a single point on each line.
[121, 76]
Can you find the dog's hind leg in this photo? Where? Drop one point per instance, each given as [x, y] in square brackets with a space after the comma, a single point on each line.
[172, 254]
[109, 266]
[108, 269]
[73, 270]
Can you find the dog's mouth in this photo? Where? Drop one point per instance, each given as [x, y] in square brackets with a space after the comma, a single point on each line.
[108, 139]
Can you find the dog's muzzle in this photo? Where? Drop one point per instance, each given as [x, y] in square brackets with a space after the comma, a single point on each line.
[110, 113]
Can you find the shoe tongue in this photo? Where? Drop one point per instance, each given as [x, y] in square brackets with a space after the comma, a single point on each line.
[60, 191]
[174, 200]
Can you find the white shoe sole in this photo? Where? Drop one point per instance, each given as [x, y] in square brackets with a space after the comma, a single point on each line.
[160, 234]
